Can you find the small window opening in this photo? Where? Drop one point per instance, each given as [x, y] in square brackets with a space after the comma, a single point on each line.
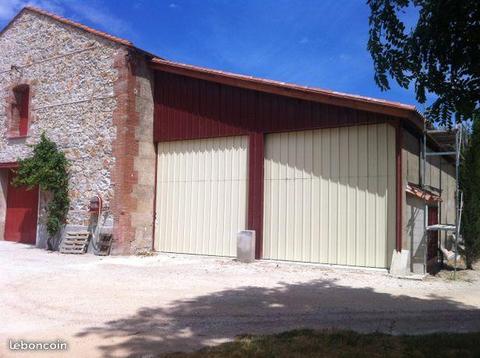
[20, 110]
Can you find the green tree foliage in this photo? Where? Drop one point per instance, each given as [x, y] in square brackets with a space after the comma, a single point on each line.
[47, 168]
[470, 185]
[440, 54]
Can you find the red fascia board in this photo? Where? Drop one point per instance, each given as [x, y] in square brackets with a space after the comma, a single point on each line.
[290, 90]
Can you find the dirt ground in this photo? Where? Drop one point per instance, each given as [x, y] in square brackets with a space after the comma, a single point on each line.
[138, 306]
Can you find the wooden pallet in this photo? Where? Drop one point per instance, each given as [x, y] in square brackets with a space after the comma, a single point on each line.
[75, 242]
[104, 245]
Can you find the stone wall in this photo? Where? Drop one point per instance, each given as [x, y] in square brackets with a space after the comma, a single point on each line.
[94, 98]
[144, 162]
[134, 174]
[72, 77]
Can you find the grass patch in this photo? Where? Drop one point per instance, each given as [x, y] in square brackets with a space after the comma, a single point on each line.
[310, 343]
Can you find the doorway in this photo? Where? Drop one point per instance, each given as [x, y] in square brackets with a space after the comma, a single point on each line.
[432, 243]
[21, 212]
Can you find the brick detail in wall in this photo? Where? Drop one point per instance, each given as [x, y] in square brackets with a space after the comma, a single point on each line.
[125, 149]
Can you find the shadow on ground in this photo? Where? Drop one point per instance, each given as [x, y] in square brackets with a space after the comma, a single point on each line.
[212, 318]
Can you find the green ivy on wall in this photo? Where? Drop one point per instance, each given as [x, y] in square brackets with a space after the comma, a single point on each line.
[47, 168]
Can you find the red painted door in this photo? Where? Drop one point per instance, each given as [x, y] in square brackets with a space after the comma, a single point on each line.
[432, 248]
[22, 211]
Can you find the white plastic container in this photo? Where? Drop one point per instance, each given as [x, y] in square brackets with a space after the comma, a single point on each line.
[246, 246]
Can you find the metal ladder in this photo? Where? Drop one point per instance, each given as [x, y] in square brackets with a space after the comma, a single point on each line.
[459, 140]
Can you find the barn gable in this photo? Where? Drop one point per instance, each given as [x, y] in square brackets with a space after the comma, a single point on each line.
[82, 92]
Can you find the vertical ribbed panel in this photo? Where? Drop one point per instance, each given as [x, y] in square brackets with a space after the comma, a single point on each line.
[201, 195]
[189, 108]
[330, 196]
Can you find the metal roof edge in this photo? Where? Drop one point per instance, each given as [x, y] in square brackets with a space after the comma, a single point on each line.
[396, 109]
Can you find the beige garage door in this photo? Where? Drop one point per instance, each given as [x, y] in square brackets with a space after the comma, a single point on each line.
[201, 195]
[330, 196]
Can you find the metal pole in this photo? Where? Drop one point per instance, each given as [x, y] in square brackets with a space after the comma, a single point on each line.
[423, 184]
[425, 233]
[423, 170]
[458, 138]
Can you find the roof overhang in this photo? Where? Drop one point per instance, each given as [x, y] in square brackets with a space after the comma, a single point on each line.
[394, 109]
[423, 194]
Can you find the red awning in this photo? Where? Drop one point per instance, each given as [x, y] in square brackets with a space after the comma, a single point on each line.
[423, 194]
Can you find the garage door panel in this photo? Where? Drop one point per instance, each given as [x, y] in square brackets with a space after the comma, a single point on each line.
[351, 216]
[201, 195]
[391, 180]
[381, 221]
[371, 222]
[315, 220]
[342, 220]
[362, 225]
[324, 219]
[333, 220]
[326, 195]
[307, 219]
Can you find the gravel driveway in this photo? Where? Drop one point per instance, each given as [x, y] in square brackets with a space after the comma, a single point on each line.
[133, 306]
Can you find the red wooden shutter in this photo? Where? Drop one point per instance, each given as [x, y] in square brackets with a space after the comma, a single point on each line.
[23, 110]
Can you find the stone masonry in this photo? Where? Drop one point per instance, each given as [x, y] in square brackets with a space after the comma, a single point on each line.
[93, 97]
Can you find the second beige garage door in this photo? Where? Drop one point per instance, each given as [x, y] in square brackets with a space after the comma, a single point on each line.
[201, 195]
[330, 196]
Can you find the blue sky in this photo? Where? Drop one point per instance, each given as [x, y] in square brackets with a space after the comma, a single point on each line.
[318, 43]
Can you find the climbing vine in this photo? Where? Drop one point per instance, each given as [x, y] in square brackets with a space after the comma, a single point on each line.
[47, 168]
[470, 184]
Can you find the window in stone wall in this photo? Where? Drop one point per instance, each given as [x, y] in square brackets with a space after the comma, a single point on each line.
[19, 119]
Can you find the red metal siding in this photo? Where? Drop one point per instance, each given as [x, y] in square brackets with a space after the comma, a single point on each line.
[399, 184]
[255, 189]
[188, 108]
[432, 243]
